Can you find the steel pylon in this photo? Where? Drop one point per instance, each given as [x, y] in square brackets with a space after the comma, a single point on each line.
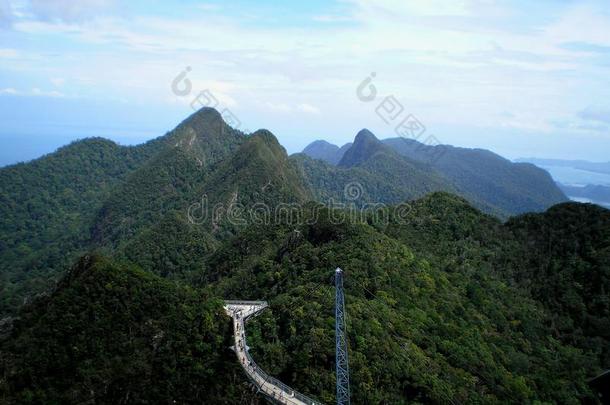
[342, 364]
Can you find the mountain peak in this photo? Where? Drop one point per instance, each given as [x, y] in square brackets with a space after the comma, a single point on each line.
[205, 136]
[365, 145]
[365, 135]
[322, 143]
[206, 113]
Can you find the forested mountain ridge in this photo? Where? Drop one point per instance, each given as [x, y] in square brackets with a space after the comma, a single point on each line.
[435, 316]
[48, 205]
[95, 194]
[377, 173]
[488, 181]
[511, 187]
[115, 334]
[566, 265]
[364, 147]
[168, 181]
[326, 151]
[445, 303]
[62, 204]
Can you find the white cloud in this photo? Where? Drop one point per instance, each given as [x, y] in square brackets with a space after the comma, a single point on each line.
[209, 7]
[445, 59]
[308, 108]
[326, 18]
[278, 107]
[583, 23]
[595, 113]
[35, 92]
[58, 81]
[7, 53]
[69, 10]
[288, 108]
[417, 7]
[5, 13]
[42, 93]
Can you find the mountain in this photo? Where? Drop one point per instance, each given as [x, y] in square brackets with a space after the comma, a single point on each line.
[115, 262]
[511, 187]
[565, 264]
[597, 194]
[369, 173]
[192, 151]
[488, 181]
[48, 205]
[325, 151]
[596, 167]
[94, 194]
[114, 334]
[258, 172]
[365, 146]
[438, 303]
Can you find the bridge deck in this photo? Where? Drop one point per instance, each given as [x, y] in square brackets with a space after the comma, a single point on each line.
[274, 389]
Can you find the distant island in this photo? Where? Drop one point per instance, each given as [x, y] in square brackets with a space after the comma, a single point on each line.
[580, 180]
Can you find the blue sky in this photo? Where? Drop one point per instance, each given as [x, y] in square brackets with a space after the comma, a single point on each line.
[521, 78]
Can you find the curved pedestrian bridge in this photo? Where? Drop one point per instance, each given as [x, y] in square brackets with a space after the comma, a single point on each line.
[273, 389]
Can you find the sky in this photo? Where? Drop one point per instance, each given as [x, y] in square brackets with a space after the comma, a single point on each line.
[521, 78]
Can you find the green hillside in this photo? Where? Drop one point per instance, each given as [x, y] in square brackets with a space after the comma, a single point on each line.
[434, 316]
[325, 151]
[565, 264]
[512, 188]
[488, 181]
[47, 207]
[112, 334]
[379, 174]
[446, 303]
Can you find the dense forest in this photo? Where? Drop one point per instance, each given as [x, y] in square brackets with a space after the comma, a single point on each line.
[437, 302]
[491, 183]
[115, 262]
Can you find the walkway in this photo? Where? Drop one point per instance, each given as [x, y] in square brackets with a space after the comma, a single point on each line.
[272, 388]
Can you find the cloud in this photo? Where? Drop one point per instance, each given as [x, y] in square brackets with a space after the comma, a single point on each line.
[288, 108]
[8, 53]
[455, 63]
[418, 7]
[308, 108]
[58, 81]
[584, 24]
[586, 47]
[35, 92]
[597, 114]
[326, 18]
[278, 107]
[42, 93]
[69, 10]
[209, 7]
[5, 14]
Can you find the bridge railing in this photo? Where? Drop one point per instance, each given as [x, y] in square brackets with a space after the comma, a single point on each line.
[241, 302]
[257, 307]
[289, 393]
